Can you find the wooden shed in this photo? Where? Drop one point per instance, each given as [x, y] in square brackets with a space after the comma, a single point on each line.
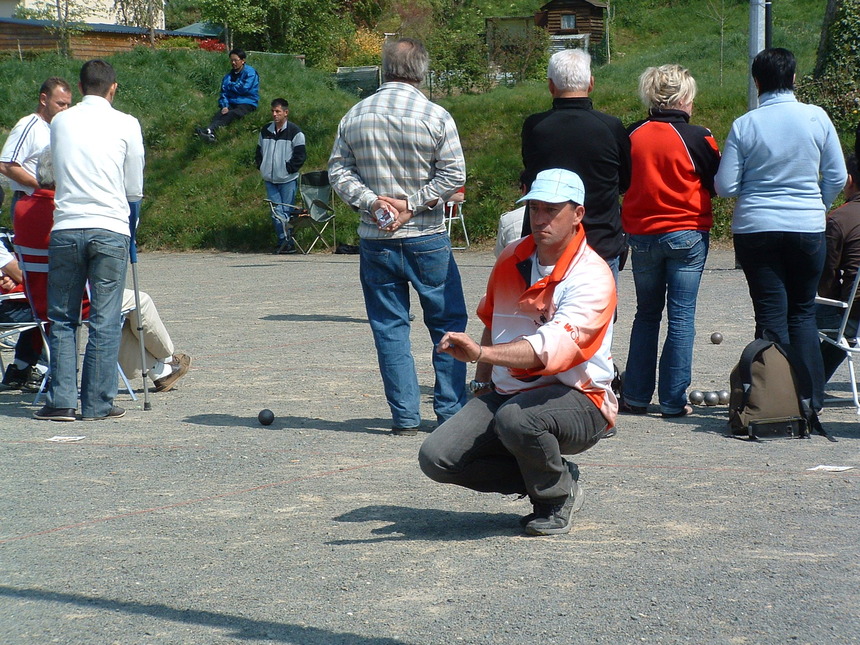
[573, 23]
[94, 41]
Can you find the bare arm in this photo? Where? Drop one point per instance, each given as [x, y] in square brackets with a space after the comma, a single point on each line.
[11, 271]
[17, 174]
[518, 354]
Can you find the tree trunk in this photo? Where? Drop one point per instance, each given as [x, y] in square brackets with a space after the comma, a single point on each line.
[823, 42]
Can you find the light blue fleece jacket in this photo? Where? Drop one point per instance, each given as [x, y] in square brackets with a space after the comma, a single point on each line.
[784, 163]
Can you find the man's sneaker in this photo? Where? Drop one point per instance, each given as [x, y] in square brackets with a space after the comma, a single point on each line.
[286, 248]
[15, 378]
[179, 368]
[206, 134]
[55, 414]
[34, 381]
[556, 519]
[115, 412]
[574, 473]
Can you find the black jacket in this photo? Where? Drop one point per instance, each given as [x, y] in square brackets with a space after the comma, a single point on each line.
[575, 136]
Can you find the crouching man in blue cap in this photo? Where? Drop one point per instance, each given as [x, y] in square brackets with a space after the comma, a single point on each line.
[542, 384]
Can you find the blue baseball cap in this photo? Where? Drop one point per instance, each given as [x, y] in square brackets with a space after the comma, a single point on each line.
[556, 186]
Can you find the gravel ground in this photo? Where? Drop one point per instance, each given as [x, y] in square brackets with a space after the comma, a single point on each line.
[192, 523]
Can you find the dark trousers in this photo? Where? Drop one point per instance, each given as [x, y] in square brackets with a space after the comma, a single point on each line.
[234, 113]
[782, 271]
[29, 345]
[514, 444]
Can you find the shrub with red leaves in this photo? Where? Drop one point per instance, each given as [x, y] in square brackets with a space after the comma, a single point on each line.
[212, 45]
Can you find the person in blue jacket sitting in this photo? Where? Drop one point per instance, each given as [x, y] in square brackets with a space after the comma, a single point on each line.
[240, 95]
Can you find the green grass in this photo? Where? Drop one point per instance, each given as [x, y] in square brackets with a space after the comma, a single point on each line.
[201, 196]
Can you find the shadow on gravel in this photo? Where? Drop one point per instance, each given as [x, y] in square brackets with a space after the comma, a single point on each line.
[429, 524]
[239, 626]
[14, 403]
[313, 318]
[367, 426]
[716, 422]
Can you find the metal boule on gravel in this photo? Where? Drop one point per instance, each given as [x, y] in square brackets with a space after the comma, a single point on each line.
[266, 417]
[711, 398]
[716, 338]
[697, 397]
[723, 396]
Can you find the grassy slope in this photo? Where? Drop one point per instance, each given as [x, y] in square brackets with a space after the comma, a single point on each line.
[202, 196]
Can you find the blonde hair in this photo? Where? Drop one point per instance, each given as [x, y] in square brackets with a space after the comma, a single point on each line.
[666, 87]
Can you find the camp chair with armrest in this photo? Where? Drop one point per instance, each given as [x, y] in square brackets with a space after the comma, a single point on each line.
[34, 267]
[316, 195]
[454, 212]
[845, 342]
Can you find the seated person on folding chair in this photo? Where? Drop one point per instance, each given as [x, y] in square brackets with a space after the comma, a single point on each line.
[22, 374]
[280, 155]
[840, 267]
[34, 217]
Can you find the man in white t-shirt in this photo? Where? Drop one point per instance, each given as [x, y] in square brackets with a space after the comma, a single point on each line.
[30, 136]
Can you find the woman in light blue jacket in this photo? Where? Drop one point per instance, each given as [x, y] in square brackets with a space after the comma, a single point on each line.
[784, 163]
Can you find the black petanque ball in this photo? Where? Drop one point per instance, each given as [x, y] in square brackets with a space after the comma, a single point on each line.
[716, 338]
[711, 398]
[697, 397]
[266, 417]
[723, 396]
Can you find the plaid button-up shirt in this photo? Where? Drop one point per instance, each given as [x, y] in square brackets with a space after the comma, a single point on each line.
[396, 143]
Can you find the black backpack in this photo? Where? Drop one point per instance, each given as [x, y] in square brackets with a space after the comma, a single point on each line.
[765, 401]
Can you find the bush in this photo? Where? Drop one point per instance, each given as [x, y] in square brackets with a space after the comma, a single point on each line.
[212, 45]
[835, 84]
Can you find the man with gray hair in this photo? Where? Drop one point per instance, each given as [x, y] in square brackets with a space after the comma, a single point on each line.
[396, 160]
[575, 136]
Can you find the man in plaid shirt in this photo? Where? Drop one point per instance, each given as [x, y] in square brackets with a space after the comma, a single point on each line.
[396, 160]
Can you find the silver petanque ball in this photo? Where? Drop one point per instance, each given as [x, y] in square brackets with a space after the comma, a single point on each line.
[697, 397]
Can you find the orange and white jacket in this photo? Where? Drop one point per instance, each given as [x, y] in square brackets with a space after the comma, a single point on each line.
[566, 316]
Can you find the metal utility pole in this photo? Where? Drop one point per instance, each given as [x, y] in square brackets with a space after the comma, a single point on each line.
[756, 44]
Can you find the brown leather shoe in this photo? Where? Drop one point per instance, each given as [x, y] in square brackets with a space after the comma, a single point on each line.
[179, 367]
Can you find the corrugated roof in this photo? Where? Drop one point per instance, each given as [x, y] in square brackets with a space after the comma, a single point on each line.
[104, 28]
[201, 29]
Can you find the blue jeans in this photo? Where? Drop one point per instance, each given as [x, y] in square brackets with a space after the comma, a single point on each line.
[614, 263]
[512, 444]
[76, 257]
[281, 194]
[782, 271]
[667, 270]
[387, 269]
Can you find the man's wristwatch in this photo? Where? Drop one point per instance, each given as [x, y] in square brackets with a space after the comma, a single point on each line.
[477, 386]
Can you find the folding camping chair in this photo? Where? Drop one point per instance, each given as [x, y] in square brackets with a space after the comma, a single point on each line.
[318, 214]
[845, 342]
[34, 266]
[11, 329]
[454, 211]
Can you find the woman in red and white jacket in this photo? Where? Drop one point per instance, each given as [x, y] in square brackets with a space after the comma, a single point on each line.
[667, 215]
